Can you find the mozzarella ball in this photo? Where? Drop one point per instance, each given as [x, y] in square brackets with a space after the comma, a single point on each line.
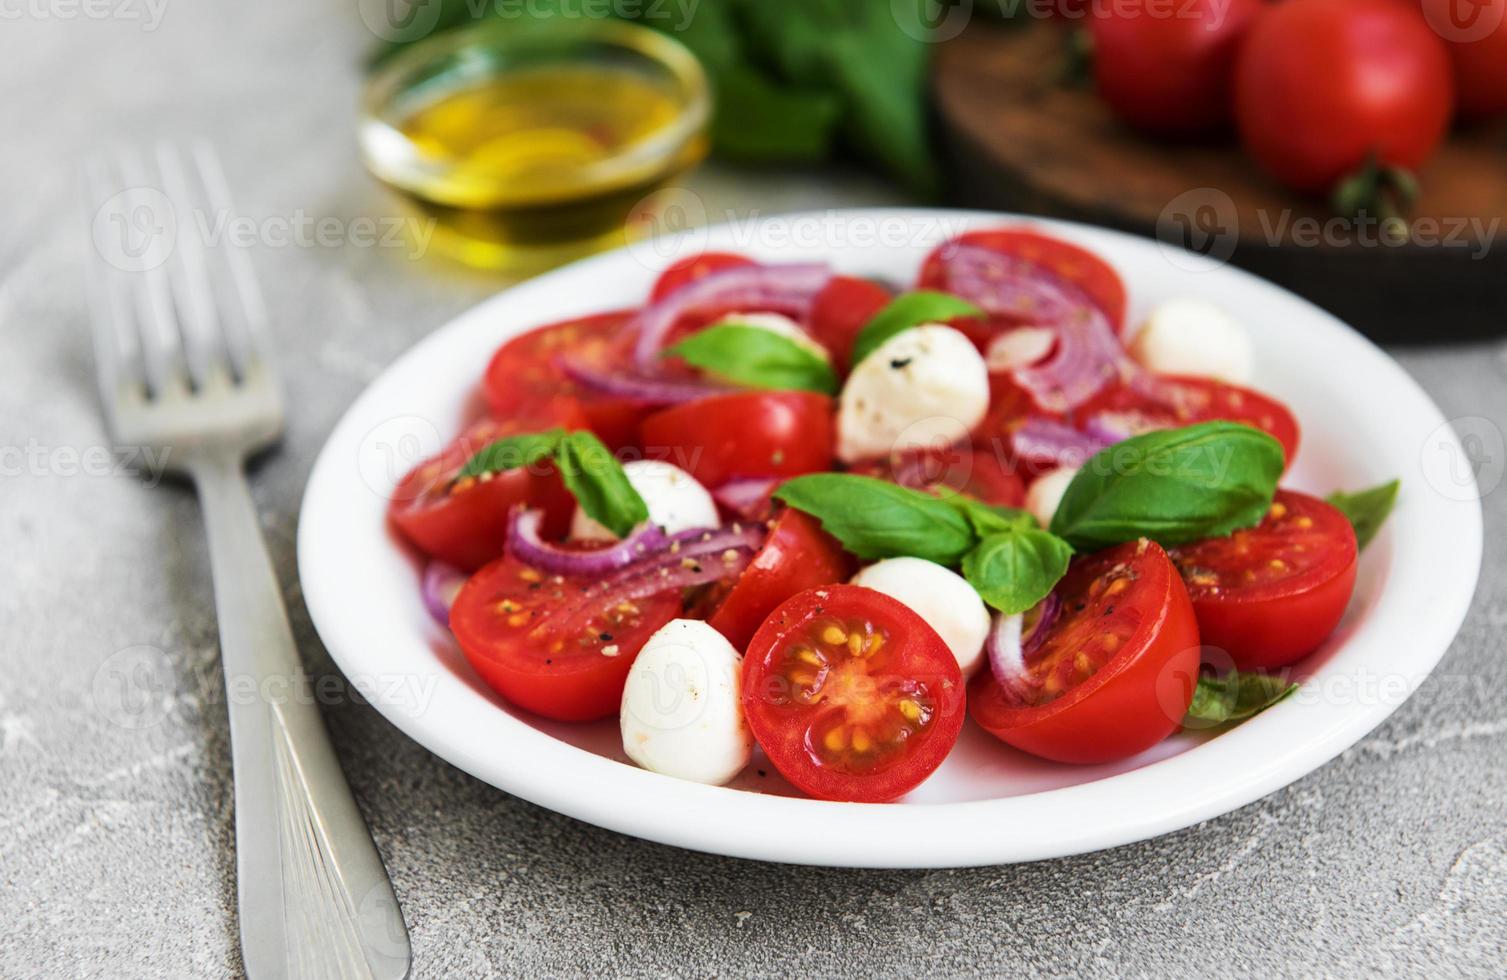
[941, 597]
[682, 713]
[777, 323]
[1045, 493]
[1197, 337]
[919, 386]
[675, 500]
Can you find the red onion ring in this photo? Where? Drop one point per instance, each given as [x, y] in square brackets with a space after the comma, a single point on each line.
[1009, 653]
[1087, 356]
[1047, 443]
[526, 544]
[438, 587]
[1112, 427]
[635, 386]
[787, 288]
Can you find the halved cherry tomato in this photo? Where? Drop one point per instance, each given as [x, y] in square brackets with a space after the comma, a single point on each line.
[534, 640]
[465, 522]
[1066, 261]
[977, 471]
[851, 694]
[1116, 672]
[1271, 594]
[1181, 400]
[524, 381]
[747, 433]
[796, 556]
[841, 310]
[687, 271]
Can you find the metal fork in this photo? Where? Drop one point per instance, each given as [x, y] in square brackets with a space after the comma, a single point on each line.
[184, 367]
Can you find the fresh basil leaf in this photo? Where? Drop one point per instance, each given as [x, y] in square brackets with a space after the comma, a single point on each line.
[874, 518]
[759, 358]
[1221, 698]
[1014, 569]
[1173, 486]
[597, 481]
[906, 311]
[512, 452]
[1366, 510]
[988, 519]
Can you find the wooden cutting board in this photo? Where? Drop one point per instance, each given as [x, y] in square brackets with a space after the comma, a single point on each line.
[1016, 138]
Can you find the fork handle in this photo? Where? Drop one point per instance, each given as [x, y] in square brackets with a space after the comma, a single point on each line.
[313, 895]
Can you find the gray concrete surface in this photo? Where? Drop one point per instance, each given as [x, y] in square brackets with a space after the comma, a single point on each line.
[116, 840]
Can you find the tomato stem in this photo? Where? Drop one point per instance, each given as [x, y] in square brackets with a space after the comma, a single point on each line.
[1077, 59]
[1384, 190]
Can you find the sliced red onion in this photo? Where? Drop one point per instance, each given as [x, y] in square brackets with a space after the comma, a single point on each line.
[1088, 355]
[1009, 653]
[1007, 661]
[1112, 427]
[691, 558]
[438, 588]
[1019, 347]
[1047, 443]
[526, 544]
[787, 289]
[1038, 622]
[748, 497]
[629, 383]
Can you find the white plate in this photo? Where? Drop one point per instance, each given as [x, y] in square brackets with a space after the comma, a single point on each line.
[1364, 421]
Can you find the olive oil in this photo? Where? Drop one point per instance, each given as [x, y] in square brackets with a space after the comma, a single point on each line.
[536, 166]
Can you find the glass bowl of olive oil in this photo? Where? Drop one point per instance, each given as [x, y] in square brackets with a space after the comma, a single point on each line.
[529, 144]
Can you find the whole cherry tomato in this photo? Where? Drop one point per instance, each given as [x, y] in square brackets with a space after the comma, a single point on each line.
[1169, 72]
[1324, 86]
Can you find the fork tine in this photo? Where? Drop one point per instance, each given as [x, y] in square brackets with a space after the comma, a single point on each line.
[205, 349]
[251, 309]
[150, 211]
[117, 346]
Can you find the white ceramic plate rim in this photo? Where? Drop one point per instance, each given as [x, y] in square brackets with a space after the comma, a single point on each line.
[1421, 595]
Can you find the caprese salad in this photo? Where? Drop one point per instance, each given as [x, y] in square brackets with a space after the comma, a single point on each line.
[780, 506]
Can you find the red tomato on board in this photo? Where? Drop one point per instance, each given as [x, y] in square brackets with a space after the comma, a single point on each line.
[1082, 268]
[1116, 672]
[978, 472]
[1321, 86]
[532, 639]
[796, 556]
[1169, 73]
[1182, 400]
[746, 433]
[851, 694]
[465, 522]
[524, 381]
[840, 312]
[1270, 594]
[687, 271]
[1476, 34]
